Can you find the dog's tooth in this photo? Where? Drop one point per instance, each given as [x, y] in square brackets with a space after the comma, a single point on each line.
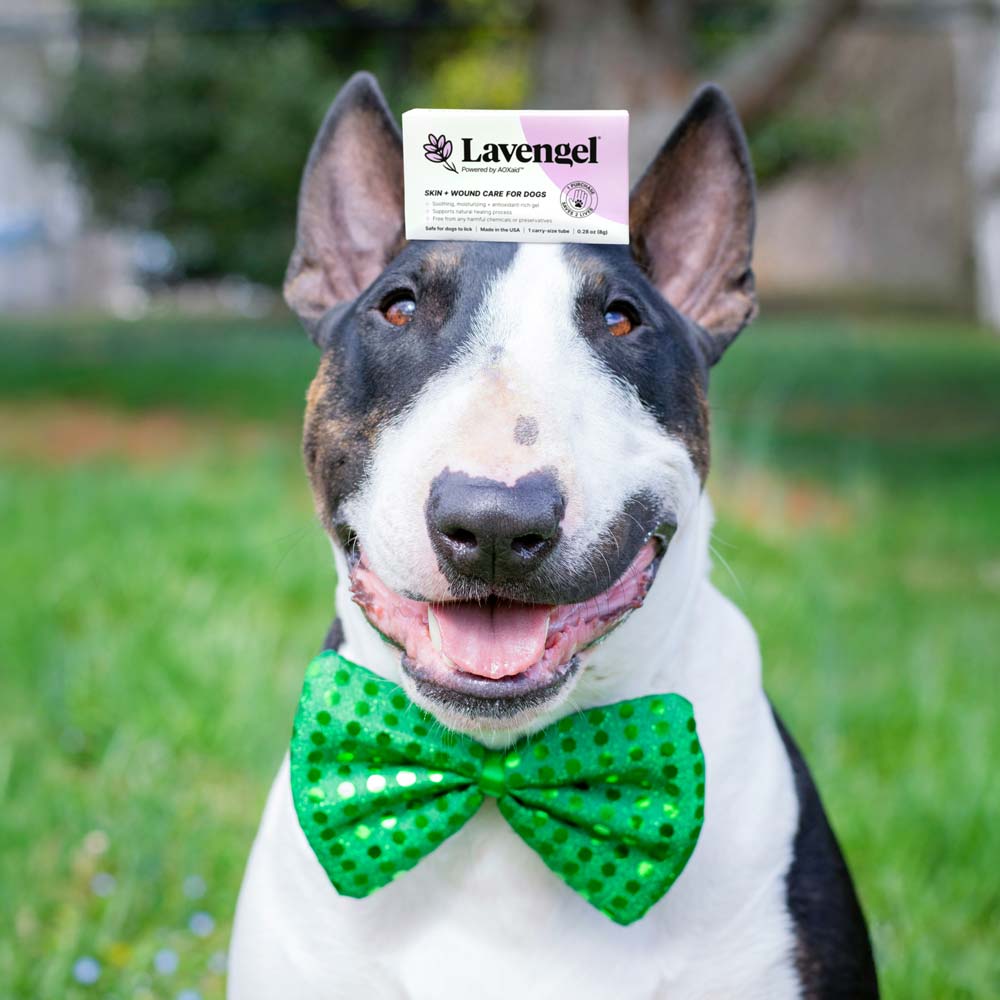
[434, 629]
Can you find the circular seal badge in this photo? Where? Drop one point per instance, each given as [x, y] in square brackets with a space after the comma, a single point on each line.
[578, 199]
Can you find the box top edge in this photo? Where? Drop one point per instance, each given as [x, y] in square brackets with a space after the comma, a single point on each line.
[519, 111]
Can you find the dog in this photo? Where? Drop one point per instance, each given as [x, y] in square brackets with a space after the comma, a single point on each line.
[508, 445]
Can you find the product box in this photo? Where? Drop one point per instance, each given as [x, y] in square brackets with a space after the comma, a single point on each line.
[516, 176]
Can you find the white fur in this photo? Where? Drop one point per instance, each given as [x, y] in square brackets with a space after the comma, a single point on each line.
[482, 916]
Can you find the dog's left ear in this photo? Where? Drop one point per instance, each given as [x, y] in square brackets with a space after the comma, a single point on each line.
[692, 220]
[350, 222]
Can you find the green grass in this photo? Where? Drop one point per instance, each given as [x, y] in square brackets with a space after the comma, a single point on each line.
[157, 612]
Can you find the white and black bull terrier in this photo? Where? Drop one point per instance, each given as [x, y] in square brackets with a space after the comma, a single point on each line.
[508, 445]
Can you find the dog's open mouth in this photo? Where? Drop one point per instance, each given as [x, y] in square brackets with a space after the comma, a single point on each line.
[496, 657]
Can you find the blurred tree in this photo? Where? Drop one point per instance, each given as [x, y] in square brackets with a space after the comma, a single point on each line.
[648, 56]
[198, 139]
[194, 118]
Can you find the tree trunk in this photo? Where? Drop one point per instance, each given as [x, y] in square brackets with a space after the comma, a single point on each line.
[637, 54]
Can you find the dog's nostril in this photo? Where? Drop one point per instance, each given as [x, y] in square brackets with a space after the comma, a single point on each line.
[459, 536]
[527, 545]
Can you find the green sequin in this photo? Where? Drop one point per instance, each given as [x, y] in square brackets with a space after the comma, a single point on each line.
[391, 785]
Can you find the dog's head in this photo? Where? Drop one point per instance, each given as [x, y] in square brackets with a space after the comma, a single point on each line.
[502, 438]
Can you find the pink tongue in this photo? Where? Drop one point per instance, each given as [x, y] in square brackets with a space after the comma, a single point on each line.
[493, 641]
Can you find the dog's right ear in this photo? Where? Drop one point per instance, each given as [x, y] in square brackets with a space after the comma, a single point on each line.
[692, 221]
[350, 221]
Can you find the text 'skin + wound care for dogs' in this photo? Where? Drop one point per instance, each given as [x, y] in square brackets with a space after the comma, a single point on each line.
[516, 176]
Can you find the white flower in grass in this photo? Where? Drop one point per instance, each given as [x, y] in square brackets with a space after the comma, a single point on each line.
[194, 887]
[86, 970]
[103, 884]
[166, 961]
[96, 842]
[201, 924]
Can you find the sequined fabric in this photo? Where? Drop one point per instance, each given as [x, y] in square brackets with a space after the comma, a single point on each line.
[611, 799]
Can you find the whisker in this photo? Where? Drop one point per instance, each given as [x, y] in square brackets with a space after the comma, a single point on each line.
[725, 562]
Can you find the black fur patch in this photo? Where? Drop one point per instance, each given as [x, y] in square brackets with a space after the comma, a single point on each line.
[834, 955]
[334, 636]
[659, 357]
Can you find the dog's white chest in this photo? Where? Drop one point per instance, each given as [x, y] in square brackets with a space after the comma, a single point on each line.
[483, 916]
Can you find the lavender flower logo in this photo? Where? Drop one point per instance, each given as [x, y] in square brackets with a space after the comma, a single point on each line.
[437, 149]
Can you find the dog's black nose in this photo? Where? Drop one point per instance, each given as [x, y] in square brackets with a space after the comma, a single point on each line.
[491, 531]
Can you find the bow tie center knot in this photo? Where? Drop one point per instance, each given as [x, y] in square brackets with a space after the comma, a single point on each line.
[492, 780]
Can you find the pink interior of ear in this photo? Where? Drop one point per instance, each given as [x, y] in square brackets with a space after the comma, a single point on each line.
[350, 204]
[693, 218]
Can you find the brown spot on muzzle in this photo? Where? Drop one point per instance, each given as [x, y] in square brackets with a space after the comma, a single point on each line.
[526, 430]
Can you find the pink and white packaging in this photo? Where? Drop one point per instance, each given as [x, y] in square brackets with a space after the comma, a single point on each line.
[516, 176]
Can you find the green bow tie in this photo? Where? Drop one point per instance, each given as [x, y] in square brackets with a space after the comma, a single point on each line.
[612, 799]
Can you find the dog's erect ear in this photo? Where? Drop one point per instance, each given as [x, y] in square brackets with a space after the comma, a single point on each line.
[692, 219]
[350, 204]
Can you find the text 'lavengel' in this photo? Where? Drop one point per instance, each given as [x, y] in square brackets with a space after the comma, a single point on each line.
[516, 176]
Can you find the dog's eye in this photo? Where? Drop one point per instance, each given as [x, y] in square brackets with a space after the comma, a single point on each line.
[400, 311]
[620, 319]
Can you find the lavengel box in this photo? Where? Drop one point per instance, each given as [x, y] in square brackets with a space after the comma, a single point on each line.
[517, 176]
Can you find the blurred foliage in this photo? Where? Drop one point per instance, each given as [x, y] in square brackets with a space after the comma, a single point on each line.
[193, 125]
[492, 71]
[721, 27]
[792, 140]
[202, 141]
[194, 118]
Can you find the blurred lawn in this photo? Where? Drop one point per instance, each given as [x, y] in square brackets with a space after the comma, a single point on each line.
[164, 585]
